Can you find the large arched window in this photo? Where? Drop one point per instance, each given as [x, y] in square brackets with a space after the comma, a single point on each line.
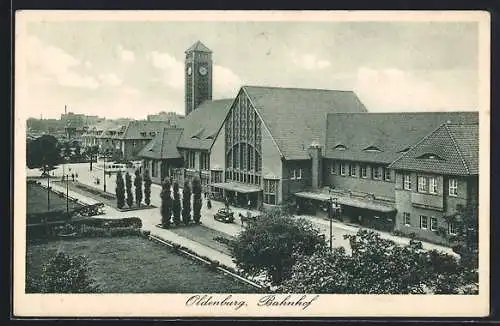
[243, 142]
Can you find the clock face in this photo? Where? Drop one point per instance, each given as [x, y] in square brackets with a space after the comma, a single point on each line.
[203, 71]
[189, 70]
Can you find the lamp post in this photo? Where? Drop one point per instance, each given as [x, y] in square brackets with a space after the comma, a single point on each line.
[105, 154]
[48, 188]
[332, 212]
[67, 186]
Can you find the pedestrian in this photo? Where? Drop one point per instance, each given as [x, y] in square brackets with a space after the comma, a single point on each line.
[209, 203]
[249, 204]
[73, 177]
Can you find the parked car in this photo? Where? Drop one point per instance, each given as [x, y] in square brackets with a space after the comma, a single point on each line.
[224, 215]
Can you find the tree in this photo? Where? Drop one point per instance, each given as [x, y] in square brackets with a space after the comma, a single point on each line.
[138, 188]
[272, 243]
[465, 240]
[176, 209]
[91, 153]
[64, 274]
[166, 203]
[197, 200]
[128, 183]
[186, 203]
[375, 266]
[120, 190]
[147, 188]
[43, 153]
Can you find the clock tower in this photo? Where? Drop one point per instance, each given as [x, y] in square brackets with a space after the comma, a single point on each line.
[198, 76]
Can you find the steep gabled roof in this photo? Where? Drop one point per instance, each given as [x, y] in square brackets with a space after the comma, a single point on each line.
[454, 148]
[202, 124]
[383, 137]
[296, 117]
[198, 47]
[163, 146]
[142, 129]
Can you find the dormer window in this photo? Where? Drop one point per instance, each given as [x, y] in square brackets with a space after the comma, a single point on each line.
[143, 134]
[430, 156]
[152, 133]
[340, 147]
[372, 149]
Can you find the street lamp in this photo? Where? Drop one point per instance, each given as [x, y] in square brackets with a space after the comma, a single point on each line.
[48, 188]
[67, 186]
[105, 154]
[332, 212]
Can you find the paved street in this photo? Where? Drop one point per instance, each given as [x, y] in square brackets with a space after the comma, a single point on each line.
[152, 217]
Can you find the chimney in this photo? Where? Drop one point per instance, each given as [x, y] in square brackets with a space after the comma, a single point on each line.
[316, 166]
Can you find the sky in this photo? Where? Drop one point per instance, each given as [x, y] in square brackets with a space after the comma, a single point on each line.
[134, 68]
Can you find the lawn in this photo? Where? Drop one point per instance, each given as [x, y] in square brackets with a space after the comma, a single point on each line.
[136, 265]
[36, 200]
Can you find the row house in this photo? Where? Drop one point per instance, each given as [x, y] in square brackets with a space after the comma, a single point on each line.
[136, 135]
[160, 157]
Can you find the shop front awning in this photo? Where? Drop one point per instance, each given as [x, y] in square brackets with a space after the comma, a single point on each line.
[348, 201]
[236, 186]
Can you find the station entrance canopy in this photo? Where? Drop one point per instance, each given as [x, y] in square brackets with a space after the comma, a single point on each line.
[348, 201]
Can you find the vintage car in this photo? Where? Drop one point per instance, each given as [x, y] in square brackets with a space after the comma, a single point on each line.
[224, 215]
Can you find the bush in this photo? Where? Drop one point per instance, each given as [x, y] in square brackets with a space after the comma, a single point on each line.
[166, 203]
[186, 203]
[176, 208]
[138, 188]
[120, 190]
[147, 188]
[64, 274]
[130, 196]
[273, 243]
[197, 199]
[146, 233]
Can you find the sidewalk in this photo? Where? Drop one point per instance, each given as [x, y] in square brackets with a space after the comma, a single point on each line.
[150, 225]
[383, 235]
[232, 229]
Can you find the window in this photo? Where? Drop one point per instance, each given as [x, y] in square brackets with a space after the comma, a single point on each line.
[453, 187]
[270, 188]
[204, 161]
[452, 229]
[154, 169]
[332, 168]
[296, 174]
[377, 173]
[352, 170]
[432, 185]
[424, 222]
[387, 174]
[421, 184]
[190, 160]
[407, 182]
[434, 223]
[342, 168]
[406, 219]
[364, 171]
